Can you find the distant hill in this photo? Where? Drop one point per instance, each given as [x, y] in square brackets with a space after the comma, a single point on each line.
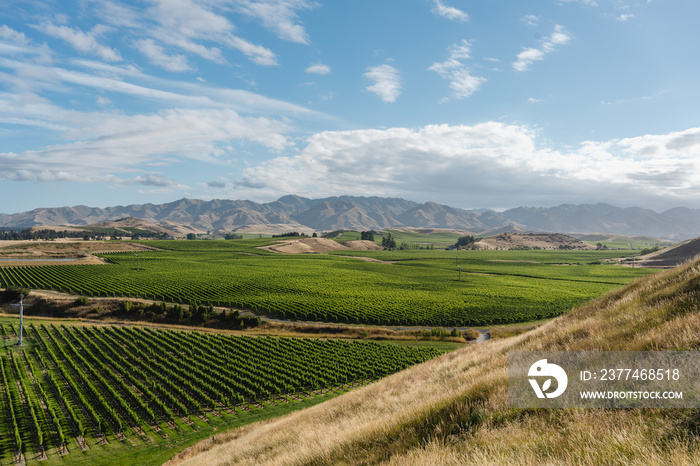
[126, 226]
[372, 213]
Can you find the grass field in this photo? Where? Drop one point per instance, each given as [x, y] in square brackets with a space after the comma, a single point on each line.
[414, 287]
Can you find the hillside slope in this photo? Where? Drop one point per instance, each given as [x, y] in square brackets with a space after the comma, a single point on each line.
[673, 255]
[453, 409]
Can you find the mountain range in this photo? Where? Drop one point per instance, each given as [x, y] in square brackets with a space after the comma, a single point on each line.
[296, 213]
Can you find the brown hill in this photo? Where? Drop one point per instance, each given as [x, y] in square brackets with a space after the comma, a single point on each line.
[671, 256]
[125, 223]
[531, 240]
[320, 245]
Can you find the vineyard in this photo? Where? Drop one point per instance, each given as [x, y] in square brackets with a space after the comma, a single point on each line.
[74, 389]
[421, 287]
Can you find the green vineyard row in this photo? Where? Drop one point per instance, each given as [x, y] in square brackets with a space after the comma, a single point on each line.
[418, 288]
[77, 385]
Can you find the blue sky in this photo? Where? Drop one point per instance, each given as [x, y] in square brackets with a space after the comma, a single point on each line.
[468, 103]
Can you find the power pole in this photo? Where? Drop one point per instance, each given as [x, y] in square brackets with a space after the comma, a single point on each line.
[21, 317]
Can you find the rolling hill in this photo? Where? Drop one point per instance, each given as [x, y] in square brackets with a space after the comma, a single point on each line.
[454, 409]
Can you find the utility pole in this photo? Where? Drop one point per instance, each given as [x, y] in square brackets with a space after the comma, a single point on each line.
[460, 273]
[21, 317]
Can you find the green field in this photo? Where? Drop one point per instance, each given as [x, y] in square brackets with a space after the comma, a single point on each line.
[418, 287]
[142, 395]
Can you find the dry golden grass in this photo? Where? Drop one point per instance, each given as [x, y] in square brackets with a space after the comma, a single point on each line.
[454, 409]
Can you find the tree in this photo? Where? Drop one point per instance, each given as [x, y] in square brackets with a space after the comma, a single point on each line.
[191, 236]
[367, 236]
[13, 293]
[464, 241]
[388, 242]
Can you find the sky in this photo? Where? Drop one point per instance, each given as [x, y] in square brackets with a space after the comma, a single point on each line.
[474, 104]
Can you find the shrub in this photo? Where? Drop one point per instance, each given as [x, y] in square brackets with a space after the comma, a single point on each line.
[82, 301]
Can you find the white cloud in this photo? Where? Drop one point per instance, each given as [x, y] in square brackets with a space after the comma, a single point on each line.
[118, 14]
[625, 18]
[530, 20]
[82, 41]
[547, 45]
[256, 53]
[157, 55]
[187, 24]
[158, 181]
[115, 144]
[129, 81]
[462, 82]
[319, 68]
[449, 12]
[387, 82]
[583, 2]
[493, 162]
[13, 36]
[278, 16]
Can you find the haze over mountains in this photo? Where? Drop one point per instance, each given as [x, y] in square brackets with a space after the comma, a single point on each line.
[364, 213]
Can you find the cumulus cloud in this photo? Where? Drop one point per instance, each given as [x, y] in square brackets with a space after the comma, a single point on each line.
[547, 45]
[492, 162]
[387, 82]
[462, 82]
[449, 12]
[319, 68]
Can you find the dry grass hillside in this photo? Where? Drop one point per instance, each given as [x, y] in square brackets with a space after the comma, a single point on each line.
[531, 240]
[672, 256]
[454, 410]
[320, 245]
